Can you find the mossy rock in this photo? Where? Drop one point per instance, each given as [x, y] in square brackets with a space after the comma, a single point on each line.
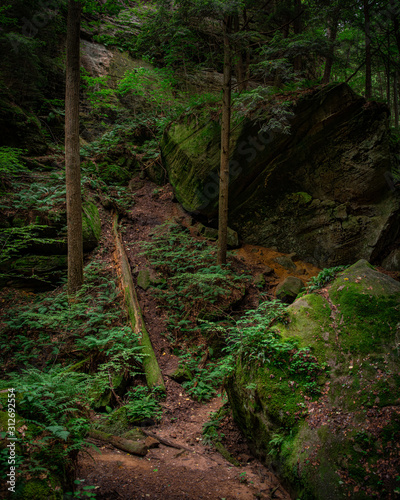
[116, 423]
[40, 489]
[289, 289]
[147, 277]
[19, 129]
[182, 374]
[326, 437]
[91, 225]
[285, 191]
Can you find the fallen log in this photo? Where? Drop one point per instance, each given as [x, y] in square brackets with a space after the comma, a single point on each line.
[133, 447]
[150, 364]
[225, 453]
[167, 442]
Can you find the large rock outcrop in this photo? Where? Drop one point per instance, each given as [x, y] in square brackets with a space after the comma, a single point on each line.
[320, 191]
[325, 408]
[39, 258]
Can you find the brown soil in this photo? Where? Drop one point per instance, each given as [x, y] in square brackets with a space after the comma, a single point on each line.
[169, 473]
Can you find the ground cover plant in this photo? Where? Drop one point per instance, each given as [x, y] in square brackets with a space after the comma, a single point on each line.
[62, 358]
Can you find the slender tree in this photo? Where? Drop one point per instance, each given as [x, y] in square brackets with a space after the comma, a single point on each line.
[368, 56]
[225, 135]
[332, 30]
[72, 158]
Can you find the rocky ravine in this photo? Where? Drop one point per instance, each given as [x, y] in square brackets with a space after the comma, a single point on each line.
[319, 190]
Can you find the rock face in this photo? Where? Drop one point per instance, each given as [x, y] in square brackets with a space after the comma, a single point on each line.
[327, 416]
[42, 262]
[319, 191]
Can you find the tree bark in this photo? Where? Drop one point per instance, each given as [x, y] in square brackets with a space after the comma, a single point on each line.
[72, 159]
[297, 28]
[243, 62]
[152, 370]
[332, 33]
[388, 85]
[225, 134]
[368, 74]
[396, 99]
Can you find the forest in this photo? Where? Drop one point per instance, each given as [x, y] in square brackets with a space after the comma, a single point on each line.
[199, 249]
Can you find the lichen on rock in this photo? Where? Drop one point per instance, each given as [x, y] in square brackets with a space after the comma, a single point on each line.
[319, 191]
[332, 437]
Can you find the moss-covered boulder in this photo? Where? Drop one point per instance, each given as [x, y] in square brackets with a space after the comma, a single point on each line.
[289, 289]
[18, 128]
[319, 190]
[91, 225]
[148, 277]
[328, 419]
[37, 248]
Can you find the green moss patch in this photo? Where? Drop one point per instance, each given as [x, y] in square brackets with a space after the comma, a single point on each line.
[91, 225]
[338, 441]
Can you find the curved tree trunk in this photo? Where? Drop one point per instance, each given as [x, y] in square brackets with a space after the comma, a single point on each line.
[72, 160]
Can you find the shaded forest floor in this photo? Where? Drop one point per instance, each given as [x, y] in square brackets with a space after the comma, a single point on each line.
[197, 471]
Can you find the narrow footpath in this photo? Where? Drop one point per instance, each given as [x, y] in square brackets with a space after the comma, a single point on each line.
[184, 467]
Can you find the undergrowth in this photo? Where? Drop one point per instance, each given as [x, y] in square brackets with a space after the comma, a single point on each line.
[324, 277]
[50, 327]
[197, 294]
[60, 358]
[192, 287]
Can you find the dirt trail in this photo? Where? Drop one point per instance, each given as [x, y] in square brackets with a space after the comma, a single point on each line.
[168, 473]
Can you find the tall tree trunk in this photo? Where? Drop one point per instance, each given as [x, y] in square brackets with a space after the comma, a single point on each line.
[368, 77]
[388, 97]
[396, 99]
[297, 28]
[243, 59]
[72, 159]
[225, 135]
[332, 33]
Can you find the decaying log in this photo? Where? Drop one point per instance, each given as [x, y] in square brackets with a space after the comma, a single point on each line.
[167, 442]
[152, 370]
[133, 447]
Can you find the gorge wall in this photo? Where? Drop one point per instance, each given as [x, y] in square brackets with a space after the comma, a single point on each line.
[320, 190]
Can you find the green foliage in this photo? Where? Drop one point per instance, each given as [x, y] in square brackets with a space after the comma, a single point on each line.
[46, 195]
[99, 94]
[276, 443]
[170, 41]
[210, 429]
[11, 163]
[154, 85]
[142, 404]
[324, 277]
[192, 285]
[54, 407]
[205, 382]
[55, 399]
[4, 19]
[15, 240]
[93, 322]
[254, 341]
[82, 491]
